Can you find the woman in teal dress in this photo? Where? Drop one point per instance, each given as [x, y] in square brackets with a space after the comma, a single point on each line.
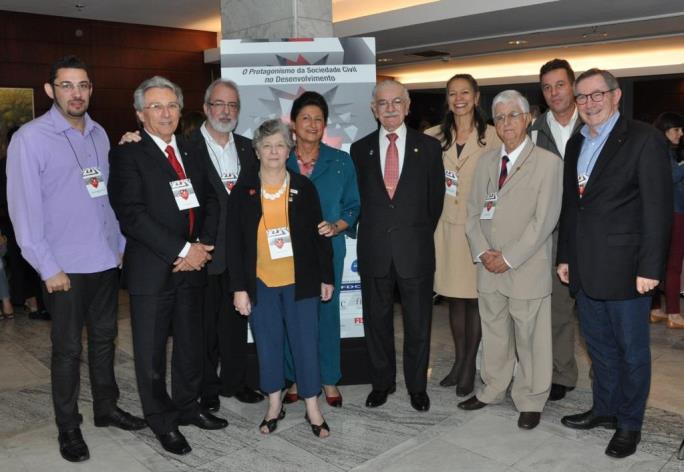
[332, 173]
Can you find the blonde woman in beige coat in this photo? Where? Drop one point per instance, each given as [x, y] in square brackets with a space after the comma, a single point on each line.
[465, 136]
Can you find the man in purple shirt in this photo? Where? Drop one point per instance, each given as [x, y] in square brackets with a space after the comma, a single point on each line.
[57, 171]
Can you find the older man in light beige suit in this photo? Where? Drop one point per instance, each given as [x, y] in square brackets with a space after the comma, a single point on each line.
[512, 210]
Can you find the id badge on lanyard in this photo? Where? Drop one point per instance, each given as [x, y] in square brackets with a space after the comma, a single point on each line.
[489, 207]
[94, 182]
[184, 194]
[279, 242]
[229, 181]
[451, 182]
[582, 180]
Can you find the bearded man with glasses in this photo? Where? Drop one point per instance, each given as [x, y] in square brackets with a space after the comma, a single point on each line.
[613, 242]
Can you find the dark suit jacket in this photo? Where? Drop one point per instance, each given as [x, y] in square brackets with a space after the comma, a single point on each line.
[312, 252]
[399, 230]
[248, 163]
[155, 229]
[620, 228]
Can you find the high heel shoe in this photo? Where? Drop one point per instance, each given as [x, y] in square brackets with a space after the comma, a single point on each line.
[675, 321]
[657, 315]
[334, 401]
[272, 424]
[317, 428]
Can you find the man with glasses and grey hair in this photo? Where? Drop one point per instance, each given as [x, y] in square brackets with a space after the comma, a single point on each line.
[513, 208]
[57, 177]
[168, 212]
[225, 331]
[401, 183]
[612, 248]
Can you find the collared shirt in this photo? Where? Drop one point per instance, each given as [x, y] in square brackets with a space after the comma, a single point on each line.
[224, 158]
[561, 134]
[513, 155]
[59, 227]
[591, 147]
[161, 144]
[401, 146]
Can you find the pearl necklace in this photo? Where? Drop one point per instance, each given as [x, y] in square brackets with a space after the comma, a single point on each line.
[279, 193]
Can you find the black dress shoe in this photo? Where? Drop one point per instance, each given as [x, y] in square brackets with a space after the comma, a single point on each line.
[174, 442]
[528, 419]
[588, 420]
[210, 404]
[420, 401]
[471, 404]
[379, 397]
[40, 315]
[120, 419]
[623, 443]
[72, 446]
[558, 392]
[244, 395]
[204, 420]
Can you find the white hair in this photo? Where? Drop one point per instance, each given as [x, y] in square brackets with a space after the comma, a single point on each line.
[508, 96]
[221, 81]
[387, 82]
[155, 82]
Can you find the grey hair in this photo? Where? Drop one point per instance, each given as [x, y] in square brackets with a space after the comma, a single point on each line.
[386, 82]
[221, 81]
[270, 128]
[155, 82]
[609, 78]
[511, 96]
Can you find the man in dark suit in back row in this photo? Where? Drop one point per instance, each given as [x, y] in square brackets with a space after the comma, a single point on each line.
[168, 213]
[401, 183]
[226, 155]
[613, 242]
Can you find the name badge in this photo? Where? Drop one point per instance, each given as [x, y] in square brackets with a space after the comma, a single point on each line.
[582, 180]
[95, 184]
[451, 182]
[184, 194]
[489, 207]
[229, 181]
[279, 242]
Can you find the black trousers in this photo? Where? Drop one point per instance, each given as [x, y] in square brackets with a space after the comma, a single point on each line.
[378, 323]
[92, 301]
[175, 312]
[225, 341]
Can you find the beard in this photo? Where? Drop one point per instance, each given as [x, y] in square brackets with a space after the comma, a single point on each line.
[222, 127]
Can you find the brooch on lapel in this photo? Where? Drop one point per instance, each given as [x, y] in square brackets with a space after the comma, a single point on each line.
[370, 153]
[252, 191]
[415, 149]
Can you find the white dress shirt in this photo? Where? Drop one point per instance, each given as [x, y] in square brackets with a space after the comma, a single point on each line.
[561, 134]
[224, 158]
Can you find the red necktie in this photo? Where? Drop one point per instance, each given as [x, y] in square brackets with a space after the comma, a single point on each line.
[181, 176]
[504, 171]
[391, 176]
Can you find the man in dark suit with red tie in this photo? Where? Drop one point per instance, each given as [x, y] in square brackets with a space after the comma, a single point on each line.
[168, 213]
[401, 183]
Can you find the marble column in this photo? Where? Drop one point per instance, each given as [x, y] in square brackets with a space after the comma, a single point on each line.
[276, 19]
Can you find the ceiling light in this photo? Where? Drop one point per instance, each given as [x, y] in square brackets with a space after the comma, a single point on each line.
[517, 42]
[384, 60]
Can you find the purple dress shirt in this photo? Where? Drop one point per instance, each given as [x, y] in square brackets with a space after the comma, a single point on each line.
[58, 226]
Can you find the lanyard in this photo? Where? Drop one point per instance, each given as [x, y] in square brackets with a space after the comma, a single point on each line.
[97, 157]
[218, 160]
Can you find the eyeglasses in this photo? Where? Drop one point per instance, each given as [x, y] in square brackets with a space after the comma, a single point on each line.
[386, 103]
[219, 105]
[581, 98]
[514, 115]
[70, 86]
[172, 107]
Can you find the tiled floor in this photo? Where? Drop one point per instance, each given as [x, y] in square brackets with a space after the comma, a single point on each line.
[393, 437]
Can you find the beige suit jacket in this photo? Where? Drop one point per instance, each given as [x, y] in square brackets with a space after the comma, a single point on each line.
[527, 210]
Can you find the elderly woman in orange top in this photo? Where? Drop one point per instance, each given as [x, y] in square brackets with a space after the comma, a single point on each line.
[280, 267]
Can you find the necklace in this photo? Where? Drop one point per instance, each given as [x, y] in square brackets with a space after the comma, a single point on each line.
[279, 193]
